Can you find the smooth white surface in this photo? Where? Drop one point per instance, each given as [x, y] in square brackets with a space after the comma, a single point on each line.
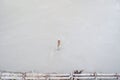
[89, 31]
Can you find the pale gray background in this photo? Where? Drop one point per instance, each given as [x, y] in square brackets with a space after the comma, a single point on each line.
[89, 31]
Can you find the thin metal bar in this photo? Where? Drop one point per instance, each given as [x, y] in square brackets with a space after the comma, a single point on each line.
[39, 76]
